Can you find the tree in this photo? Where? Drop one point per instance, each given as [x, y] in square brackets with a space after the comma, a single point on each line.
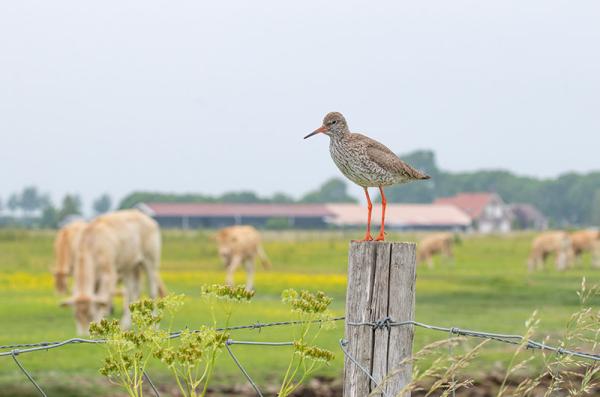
[14, 202]
[281, 198]
[240, 197]
[49, 217]
[29, 200]
[71, 205]
[334, 190]
[135, 198]
[32, 200]
[419, 191]
[102, 204]
[595, 215]
[229, 197]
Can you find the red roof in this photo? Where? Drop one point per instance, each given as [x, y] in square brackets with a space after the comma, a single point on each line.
[247, 210]
[471, 203]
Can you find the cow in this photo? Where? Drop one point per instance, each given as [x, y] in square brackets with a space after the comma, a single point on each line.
[434, 244]
[554, 242]
[237, 245]
[586, 241]
[116, 246]
[66, 245]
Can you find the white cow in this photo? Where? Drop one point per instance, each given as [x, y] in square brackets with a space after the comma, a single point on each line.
[548, 243]
[239, 245]
[116, 246]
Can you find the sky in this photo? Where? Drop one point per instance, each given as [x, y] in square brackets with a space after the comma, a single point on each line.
[198, 96]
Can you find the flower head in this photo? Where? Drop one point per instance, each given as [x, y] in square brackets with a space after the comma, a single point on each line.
[237, 293]
[306, 301]
[313, 352]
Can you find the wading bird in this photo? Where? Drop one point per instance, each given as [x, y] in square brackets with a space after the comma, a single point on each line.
[365, 162]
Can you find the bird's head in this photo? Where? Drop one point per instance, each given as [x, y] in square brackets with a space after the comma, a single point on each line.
[333, 124]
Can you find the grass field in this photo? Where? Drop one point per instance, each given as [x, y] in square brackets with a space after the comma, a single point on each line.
[486, 288]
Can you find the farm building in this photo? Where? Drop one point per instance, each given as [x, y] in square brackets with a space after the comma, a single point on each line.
[487, 211]
[215, 215]
[305, 216]
[403, 216]
[527, 216]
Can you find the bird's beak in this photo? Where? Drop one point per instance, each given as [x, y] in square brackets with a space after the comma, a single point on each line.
[320, 129]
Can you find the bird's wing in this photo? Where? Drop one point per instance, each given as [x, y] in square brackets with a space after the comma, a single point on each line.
[386, 159]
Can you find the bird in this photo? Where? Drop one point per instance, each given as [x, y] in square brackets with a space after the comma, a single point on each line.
[365, 162]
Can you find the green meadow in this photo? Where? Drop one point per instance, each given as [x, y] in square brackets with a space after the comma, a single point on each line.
[486, 287]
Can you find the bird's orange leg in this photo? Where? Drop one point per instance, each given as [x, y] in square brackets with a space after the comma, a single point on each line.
[368, 236]
[381, 235]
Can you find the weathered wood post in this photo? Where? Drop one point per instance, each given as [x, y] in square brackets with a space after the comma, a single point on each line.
[381, 284]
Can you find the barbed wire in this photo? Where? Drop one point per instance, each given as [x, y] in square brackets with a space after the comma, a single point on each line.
[20, 348]
[29, 347]
[383, 323]
[512, 339]
[386, 322]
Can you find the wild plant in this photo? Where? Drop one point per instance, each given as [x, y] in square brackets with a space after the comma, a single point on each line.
[128, 351]
[311, 312]
[189, 355]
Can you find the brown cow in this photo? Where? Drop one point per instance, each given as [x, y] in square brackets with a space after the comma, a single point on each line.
[241, 244]
[434, 244]
[586, 241]
[119, 245]
[66, 245]
[546, 244]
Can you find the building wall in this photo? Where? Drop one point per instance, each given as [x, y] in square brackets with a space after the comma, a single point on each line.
[180, 222]
[495, 218]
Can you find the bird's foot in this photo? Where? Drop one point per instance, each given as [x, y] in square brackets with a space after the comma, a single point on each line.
[380, 237]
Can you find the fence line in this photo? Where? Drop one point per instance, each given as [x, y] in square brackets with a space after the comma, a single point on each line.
[387, 322]
[382, 323]
[52, 345]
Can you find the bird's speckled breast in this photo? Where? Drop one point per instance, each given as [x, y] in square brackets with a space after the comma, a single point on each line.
[352, 160]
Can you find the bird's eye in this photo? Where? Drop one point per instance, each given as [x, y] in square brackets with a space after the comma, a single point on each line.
[334, 121]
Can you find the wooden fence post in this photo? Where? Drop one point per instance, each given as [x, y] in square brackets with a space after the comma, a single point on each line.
[381, 283]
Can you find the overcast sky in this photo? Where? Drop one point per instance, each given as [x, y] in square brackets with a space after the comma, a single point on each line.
[114, 96]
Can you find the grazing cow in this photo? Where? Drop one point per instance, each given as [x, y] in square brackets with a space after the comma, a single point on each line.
[585, 241]
[66, 245]
[119, 245]
[434, 244]
[558, 243]
[241, 244]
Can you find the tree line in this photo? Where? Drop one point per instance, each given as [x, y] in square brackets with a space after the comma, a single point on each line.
[334, 190]
[37, 209]
[30, 207]
[571, 199]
